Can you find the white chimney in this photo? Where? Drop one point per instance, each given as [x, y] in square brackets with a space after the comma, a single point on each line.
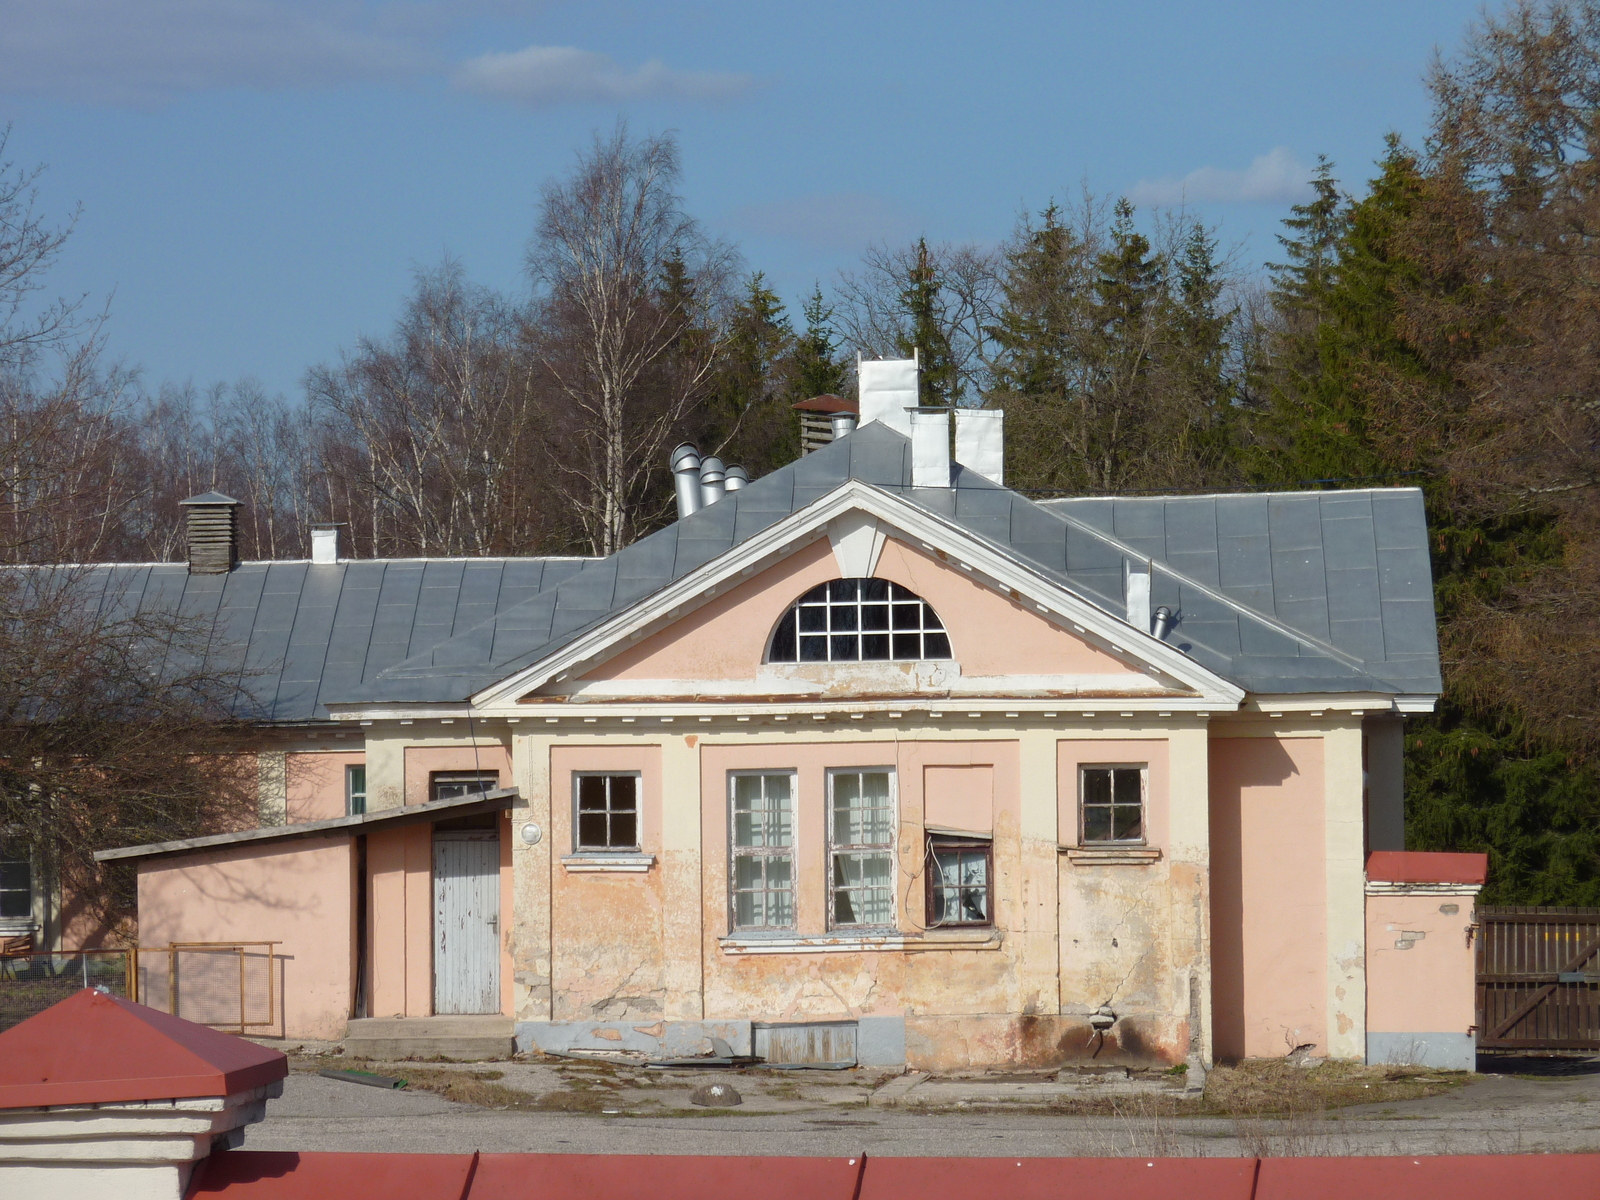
[1139, 600]
[930, 448]
[888, 390]
[325, 546]
[981, 442]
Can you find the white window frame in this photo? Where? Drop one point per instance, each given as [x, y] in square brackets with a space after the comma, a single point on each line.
[1144, 802]
[578, 848]
[351, 792]
[790, 852]
[889, 848]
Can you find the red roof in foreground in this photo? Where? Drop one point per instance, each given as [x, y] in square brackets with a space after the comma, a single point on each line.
[96, 1049]
[258, 1175]
[1416, 866]
[828, 403]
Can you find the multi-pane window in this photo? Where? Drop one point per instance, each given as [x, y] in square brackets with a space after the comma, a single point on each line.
[861, 833]
[859, 620]
[762, 833]
[607, 811]
[959, 870]
[355, 790]
[16, 883]
[451, 785]
[1112, 804]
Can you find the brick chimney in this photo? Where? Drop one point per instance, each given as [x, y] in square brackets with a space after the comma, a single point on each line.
[213, 533]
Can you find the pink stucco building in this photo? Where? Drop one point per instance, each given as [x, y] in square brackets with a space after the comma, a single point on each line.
[870, 760]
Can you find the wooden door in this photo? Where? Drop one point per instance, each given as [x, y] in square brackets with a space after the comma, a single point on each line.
[466, 922]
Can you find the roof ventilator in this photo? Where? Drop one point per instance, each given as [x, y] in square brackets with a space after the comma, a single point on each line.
[213, 521]
[699, 482]
[1162, 623]
[324, 545]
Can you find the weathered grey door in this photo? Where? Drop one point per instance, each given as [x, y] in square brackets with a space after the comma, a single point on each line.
[466, 922]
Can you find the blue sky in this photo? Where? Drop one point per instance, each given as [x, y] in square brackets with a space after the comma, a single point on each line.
[259, 178]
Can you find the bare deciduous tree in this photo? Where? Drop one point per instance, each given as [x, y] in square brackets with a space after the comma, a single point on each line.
[632, 301]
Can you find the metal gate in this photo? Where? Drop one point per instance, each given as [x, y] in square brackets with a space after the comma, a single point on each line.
[1539, 978]
[466, 922]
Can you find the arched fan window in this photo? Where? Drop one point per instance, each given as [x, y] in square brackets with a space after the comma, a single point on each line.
[859, 620]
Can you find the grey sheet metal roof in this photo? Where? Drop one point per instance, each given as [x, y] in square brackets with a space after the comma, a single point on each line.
[1301, 593]
[297, 633]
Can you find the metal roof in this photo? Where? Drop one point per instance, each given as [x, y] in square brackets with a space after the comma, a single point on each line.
[297, 633]
[1316, 592]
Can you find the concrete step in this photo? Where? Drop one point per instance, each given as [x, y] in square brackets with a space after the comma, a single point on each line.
[463, 1039]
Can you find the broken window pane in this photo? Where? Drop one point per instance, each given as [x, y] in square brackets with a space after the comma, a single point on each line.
[861, 834]
[762, 829]
[958, 881]
[1113, 803]
[608, 812]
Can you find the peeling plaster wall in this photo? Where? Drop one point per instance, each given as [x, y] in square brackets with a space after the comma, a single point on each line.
[421, 761]
[608, 930]
[1420, 963]
[1117, 921]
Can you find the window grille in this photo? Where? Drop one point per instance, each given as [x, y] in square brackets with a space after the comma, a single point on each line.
[1112, 804]
[859, 620]
[607, 811]
[861, 833]
[355, 790]
[762, 833]
[959, 871]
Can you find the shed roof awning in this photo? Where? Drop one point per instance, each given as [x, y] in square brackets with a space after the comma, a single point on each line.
[387, 818]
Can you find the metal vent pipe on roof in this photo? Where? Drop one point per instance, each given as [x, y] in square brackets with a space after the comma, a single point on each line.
[713, 480]
[844, 424]
[685, 464]
[737, 478]
[1163, 623]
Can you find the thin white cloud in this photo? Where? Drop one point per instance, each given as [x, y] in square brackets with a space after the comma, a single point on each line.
[545, 75]
[1276, 177]
[831, 221]
[144, 52]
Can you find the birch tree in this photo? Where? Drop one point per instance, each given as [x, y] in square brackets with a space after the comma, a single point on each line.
[632, 301]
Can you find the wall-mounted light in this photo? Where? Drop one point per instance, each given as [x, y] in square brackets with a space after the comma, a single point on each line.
[532, 834]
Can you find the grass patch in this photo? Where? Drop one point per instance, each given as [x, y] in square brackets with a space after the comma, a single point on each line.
[1272, 1086]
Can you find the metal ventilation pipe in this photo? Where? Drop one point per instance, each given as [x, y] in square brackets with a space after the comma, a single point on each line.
[713, 480]
[737, 478]
[1162, 623]
[686, 479]
[844, 424]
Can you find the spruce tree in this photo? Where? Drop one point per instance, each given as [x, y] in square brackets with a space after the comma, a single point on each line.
[815, 367]
[748, 418]
[940, 382]
[1311, 245]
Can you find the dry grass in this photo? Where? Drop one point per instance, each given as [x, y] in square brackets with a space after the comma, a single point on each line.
[1274, 1087]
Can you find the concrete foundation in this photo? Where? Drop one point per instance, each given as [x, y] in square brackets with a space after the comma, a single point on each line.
[1446, 1051]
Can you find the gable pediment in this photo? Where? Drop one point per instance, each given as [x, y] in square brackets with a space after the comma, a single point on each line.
[703, 637]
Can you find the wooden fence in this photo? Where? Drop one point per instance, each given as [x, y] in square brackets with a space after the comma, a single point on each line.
[1538, 978]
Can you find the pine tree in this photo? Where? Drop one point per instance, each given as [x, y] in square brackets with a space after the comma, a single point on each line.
[940, 380]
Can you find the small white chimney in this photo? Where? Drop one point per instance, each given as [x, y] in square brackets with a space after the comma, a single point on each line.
[888, 391]
[1139, 600]
[930, 448]
[325, 546]
[981, 442]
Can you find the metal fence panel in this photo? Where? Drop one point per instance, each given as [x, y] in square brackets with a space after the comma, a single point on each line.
[31, 983]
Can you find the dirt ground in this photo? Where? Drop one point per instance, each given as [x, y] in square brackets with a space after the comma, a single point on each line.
[1268, 1108]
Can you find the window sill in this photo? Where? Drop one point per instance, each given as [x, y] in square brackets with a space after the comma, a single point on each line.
[1112, 856]
[585, 864]
[980, 938]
